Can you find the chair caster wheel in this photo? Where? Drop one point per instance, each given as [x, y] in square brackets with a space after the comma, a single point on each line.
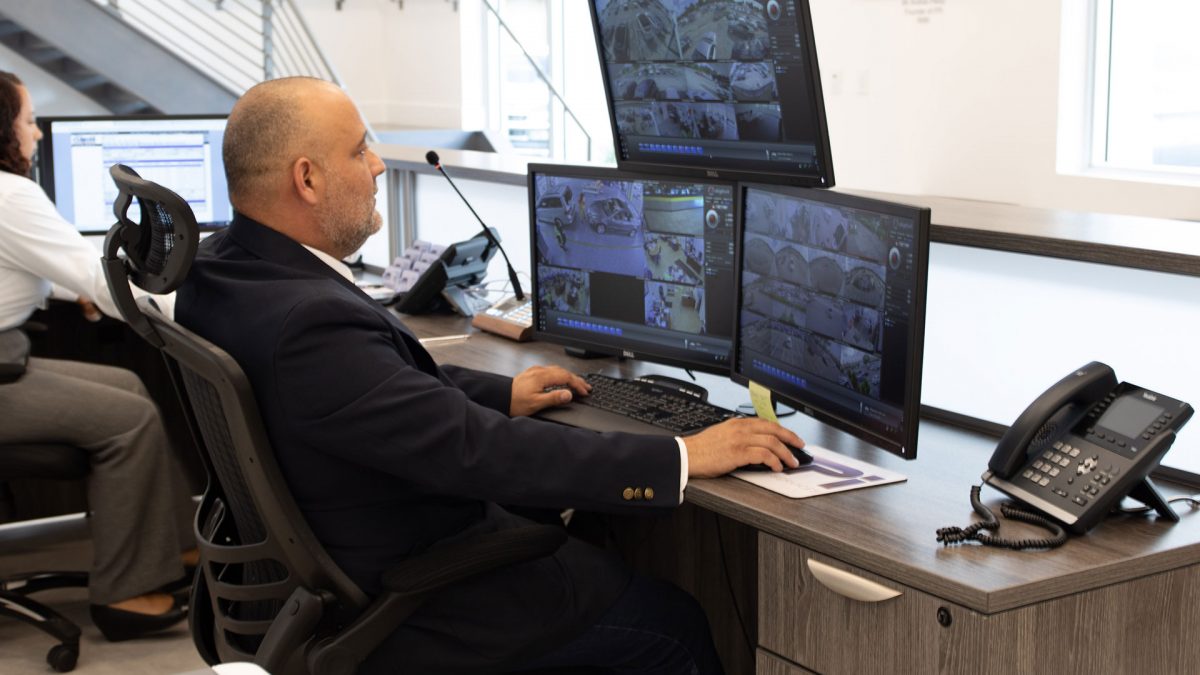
[62, 658]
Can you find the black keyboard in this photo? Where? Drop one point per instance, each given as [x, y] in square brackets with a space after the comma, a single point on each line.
[655, 404]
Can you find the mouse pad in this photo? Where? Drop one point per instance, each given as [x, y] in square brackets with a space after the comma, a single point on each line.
[829, 472]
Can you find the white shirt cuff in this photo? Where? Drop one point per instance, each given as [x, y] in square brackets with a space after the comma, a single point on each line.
[683, 467]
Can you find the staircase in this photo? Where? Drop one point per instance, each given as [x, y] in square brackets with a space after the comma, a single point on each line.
[163, 56]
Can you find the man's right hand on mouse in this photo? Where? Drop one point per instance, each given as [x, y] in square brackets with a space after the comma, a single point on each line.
[739, 442]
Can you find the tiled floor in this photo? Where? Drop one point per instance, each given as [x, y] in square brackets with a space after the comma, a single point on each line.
[64, 545]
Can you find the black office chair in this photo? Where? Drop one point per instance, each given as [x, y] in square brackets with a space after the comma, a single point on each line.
[266, 591]
[43, 461]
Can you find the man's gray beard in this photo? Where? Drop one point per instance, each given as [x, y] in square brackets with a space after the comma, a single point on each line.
[348, 238]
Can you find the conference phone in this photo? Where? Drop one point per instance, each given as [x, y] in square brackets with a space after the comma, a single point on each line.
[1081, 447]
[431, 278]
[510, 317]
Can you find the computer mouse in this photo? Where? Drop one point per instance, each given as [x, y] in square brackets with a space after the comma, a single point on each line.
[799, 453]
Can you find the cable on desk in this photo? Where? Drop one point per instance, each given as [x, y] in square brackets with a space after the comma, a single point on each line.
[984, 531]
[1192, 501]
[737, 609]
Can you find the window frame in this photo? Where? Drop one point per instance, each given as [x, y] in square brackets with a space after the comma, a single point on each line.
[1085, 101]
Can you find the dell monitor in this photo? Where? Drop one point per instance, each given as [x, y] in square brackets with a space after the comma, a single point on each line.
[719, 88]
[831, 308]
[634, 265]
[182, 153]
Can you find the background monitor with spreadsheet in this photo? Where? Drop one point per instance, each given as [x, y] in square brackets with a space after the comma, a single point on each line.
[720, 88]
[634, 265]
[182, 153]
[831, 308]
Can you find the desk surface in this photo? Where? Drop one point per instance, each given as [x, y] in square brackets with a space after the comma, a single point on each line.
[888, 530]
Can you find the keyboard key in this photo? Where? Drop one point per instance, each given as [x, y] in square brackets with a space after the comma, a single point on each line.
[652, 403]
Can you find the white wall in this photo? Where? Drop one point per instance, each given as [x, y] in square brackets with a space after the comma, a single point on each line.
[402, 66]
[963, 104]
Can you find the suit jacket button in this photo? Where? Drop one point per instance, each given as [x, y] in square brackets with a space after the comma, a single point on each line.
[627, 494]
[637, 494]
[649, 492]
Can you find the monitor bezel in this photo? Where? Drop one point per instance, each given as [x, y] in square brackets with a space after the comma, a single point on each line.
[609, 173]
[44, 162]
[921, 215]
[822, 179]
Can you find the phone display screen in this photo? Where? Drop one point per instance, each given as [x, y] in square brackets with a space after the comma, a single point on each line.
[1129, 416]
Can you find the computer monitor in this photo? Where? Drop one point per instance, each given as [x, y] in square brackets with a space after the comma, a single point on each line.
[831, 308]
[182, 153]
[634, 265]
[720, 88]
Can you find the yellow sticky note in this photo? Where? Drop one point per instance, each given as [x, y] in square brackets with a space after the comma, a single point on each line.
[760, 396]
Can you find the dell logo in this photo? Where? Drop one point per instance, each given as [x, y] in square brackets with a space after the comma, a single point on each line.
[712, 174]
[1148, 396]
[627, 354]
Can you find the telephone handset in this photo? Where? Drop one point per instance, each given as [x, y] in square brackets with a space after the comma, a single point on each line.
[1085, 444]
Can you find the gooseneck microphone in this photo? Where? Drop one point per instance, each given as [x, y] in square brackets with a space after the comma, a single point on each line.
[432, 158]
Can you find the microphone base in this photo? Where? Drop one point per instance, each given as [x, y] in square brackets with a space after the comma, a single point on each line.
[463, 301]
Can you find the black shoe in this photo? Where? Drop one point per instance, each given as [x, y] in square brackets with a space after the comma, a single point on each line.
[119, 624]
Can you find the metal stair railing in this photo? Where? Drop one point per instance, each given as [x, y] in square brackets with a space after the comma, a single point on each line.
[238, 43]
[567, 110]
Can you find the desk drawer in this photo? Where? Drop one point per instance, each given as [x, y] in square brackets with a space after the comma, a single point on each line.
[831, 618]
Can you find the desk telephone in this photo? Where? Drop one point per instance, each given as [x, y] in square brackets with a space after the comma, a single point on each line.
[1081, 447]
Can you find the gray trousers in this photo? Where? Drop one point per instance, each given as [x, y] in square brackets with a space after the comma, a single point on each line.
[141, 512]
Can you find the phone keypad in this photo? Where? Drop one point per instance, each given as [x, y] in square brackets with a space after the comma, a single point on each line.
[1058, 467]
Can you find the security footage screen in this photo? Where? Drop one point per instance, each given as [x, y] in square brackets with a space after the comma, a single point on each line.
[643, 265]
[725, 83]
[827, 305]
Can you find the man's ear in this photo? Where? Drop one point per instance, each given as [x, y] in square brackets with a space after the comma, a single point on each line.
[306, 179]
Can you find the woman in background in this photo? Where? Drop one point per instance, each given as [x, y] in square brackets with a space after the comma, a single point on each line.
[141, 515]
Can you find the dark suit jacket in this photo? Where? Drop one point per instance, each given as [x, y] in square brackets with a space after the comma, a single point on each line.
[388, 454]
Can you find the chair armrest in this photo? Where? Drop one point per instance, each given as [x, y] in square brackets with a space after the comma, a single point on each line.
[446, 564]
[408, 584]
[292, 627]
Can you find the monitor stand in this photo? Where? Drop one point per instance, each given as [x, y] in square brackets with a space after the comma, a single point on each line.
[580, 353]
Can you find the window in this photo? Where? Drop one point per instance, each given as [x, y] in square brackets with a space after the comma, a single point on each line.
[555, 38]
[1146, 114]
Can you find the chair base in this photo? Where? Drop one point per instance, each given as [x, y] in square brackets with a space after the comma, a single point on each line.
[15, 603]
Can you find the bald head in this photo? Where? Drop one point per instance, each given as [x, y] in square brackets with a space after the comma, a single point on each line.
[272, 125]
[297, 161]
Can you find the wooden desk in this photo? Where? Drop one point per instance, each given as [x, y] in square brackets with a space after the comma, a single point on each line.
[1121, 599]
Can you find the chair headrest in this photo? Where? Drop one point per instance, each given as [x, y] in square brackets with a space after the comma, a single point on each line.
[160, 246]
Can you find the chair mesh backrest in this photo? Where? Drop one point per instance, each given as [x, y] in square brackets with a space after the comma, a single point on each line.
[206, 406]
[246, 529]
[255, 546]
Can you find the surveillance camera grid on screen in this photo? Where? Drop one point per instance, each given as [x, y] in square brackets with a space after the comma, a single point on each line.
[635, 252]
[816, 308]
[707, 71]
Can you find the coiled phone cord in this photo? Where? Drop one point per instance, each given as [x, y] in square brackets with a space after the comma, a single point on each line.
[983, 531]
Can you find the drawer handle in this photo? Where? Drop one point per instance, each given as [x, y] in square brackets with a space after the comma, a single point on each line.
[849, 585]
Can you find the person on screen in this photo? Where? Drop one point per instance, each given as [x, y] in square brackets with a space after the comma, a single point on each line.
[141, 516]
[388, 453]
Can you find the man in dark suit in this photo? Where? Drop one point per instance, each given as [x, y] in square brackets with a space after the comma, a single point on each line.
[389, 454]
